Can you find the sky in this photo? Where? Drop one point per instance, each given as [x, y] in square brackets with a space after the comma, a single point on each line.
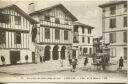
[87, 11]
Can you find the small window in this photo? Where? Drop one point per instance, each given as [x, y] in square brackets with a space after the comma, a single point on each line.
[112, 23]
[57, 34]
[17, 20]
[47, 33]
[125, 21]
[2, 37]
[75, 28]
[125, 37]
[57, 21]
[47, 18]
[89, 31]
[65, 35]
[82, 29]
[4, 18]
[88, 39]
[112, 37]
[113, 10]
[125, 54]
[125, 7]
[17, 37]
[83, 39]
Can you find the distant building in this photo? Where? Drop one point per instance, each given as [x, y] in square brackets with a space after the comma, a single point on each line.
[114, 19]
[54, 40]
[15, 36]
[82, 39]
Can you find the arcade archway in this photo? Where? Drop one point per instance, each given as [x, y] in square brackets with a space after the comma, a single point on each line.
[63, 52]
[55, 53]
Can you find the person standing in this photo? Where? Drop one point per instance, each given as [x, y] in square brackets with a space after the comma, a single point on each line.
[121, 63]
[74, 63]
[85, 61]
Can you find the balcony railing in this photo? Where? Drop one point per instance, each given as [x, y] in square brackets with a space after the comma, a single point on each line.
[52, 24]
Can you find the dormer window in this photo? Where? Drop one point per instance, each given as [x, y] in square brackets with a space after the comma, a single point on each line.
[47, 18]
[113, 10]
[57, 21]
[17, 20]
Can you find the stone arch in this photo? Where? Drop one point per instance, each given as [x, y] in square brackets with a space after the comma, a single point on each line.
[55, 52]
[63, 52]
[47, 53]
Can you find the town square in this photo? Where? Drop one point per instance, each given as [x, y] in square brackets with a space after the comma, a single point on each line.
[64, 38]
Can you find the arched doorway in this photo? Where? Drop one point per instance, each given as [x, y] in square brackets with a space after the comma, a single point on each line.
[63, 52]
[55, 53]
[47, 53]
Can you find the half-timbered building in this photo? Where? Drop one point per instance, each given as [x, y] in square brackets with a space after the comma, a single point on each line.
[54, 39]
[15, 36]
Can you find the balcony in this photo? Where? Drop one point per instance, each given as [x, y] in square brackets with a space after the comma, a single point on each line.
[52, 24]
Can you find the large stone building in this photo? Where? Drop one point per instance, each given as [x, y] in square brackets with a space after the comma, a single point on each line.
[15, 36]
[54, 38]
[115, 29]
[82, 39]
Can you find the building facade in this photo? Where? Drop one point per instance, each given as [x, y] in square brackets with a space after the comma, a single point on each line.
[15, 36]
[115, 29]
[82, 39]
[54, 37]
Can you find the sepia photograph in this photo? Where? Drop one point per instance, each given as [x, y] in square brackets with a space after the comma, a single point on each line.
[81, 41]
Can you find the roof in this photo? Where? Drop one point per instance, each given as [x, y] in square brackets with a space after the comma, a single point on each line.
[16, 8]
[112, 3]
[82, 24]
[51, 7]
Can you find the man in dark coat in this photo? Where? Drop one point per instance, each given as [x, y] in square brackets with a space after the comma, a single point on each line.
[74, 63]
[121, 63]
[85, 61]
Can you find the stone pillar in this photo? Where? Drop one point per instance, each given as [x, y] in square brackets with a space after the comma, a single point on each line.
[51, 59]
[59, 57]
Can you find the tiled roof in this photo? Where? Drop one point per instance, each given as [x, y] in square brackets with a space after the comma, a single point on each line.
[57, 5]
[16, 8]
[82, 24]
[112, 3]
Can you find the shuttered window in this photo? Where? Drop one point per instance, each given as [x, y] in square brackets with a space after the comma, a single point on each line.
[57, 21]
[4, 18]
[65, 35]
[17, 38]
[2, 37]
[47, 33]
[112, 23]
[83, 39]
[112, 37]
[57, 34]
[113, 10]
[125, 21]
[125, 37]
[17, 20]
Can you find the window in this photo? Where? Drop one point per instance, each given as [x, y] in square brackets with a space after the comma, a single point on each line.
[125, 37]
[88, 39]
[47, 18]
[112, 23]
[89, 31]
[57, 34]
[17, 20]
[125, 21]
[66, 22]
[17, 37]
[112, 37]
[125, 7]
[4, 18]
[82, 29]
[85, 50]
[113, 10]
[47, 33]
[2, 37]
[125, 53]
[75, 28]
[83, 39]
[90, 51]
[65, 35]
[57, 21]
[75, 39]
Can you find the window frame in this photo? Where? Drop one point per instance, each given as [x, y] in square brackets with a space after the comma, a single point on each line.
[47, 33]
[57, 34]
[17, 37]
[112, 23]
[17, 20]
[113, 10]
[2, 37]
[65, 35]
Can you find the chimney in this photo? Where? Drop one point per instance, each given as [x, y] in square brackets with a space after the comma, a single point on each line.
[31, 7]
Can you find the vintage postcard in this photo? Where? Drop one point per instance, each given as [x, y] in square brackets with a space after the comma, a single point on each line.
[63, 41]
